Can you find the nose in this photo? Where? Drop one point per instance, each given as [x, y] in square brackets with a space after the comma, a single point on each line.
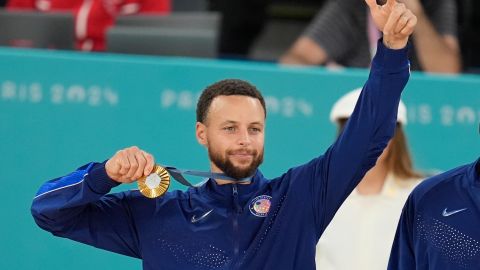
[244, 138]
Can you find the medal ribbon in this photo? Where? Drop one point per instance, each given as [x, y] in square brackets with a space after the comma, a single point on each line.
[177, 174]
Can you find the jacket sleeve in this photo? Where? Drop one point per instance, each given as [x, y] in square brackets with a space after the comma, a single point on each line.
[76, 206]
[326, 181]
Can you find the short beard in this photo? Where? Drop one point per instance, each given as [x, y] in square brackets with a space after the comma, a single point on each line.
[227, 167]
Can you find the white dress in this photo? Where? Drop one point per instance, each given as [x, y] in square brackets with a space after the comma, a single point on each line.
[361, 234]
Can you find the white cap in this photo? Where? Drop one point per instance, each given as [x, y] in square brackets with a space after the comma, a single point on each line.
[343, 108]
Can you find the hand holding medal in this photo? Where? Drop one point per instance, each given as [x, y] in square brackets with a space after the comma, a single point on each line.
[132, 163]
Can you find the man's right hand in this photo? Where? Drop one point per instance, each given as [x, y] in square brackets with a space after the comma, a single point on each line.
[129, 164]
[395, 20]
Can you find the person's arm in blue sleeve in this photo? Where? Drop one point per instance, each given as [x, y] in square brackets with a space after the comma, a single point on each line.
[367, 133]
[402, 256]
[76, 206]
[329, 179]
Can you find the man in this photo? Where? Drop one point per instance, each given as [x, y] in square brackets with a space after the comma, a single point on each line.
[343, 34]
[439, 226]
[260, 224]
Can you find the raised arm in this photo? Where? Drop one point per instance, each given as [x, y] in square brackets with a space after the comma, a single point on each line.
[373, 121]
[330, 178]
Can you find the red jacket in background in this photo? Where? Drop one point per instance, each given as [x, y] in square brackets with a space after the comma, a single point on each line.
[93, 17]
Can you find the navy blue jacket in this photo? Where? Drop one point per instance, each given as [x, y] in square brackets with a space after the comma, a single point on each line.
[440, 223]
[268, 224]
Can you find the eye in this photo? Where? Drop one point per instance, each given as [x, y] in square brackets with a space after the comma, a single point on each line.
[255, 130]
[229, 129]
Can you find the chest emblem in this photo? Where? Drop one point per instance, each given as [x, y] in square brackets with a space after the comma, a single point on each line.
[260, 205]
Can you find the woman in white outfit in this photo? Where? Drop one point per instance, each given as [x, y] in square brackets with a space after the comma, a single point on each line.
[361, 233]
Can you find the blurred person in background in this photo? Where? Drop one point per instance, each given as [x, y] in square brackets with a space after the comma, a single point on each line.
[342, 33]
[364, 226]
[93, 17]
[439, 225]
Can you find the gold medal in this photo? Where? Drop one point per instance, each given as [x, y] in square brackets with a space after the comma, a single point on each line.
[155, 184]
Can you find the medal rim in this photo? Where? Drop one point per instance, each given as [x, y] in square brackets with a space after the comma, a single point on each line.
[158, 191]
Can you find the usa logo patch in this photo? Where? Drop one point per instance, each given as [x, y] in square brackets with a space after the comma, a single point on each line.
[260, 205]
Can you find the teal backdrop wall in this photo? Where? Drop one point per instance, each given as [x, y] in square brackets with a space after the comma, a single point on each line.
[60, 110]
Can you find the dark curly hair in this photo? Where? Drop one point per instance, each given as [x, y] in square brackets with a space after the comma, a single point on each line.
[227, 87]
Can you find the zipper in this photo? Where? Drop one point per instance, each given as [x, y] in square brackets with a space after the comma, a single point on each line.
[237, 210]
[236, 204]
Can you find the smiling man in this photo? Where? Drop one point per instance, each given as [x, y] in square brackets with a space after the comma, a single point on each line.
[234, 140]
[238, 219]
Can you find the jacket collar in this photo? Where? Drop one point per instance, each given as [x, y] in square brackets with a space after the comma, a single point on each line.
[224, 193]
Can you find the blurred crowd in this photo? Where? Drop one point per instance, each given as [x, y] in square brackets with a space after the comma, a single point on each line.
[335, 33]
[93, 17]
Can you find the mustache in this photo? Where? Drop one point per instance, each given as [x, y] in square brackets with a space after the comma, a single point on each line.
[252, 152]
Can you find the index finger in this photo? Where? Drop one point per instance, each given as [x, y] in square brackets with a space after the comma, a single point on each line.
[150, 163]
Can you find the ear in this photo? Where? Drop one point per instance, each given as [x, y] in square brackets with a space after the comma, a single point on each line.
[201, 133]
